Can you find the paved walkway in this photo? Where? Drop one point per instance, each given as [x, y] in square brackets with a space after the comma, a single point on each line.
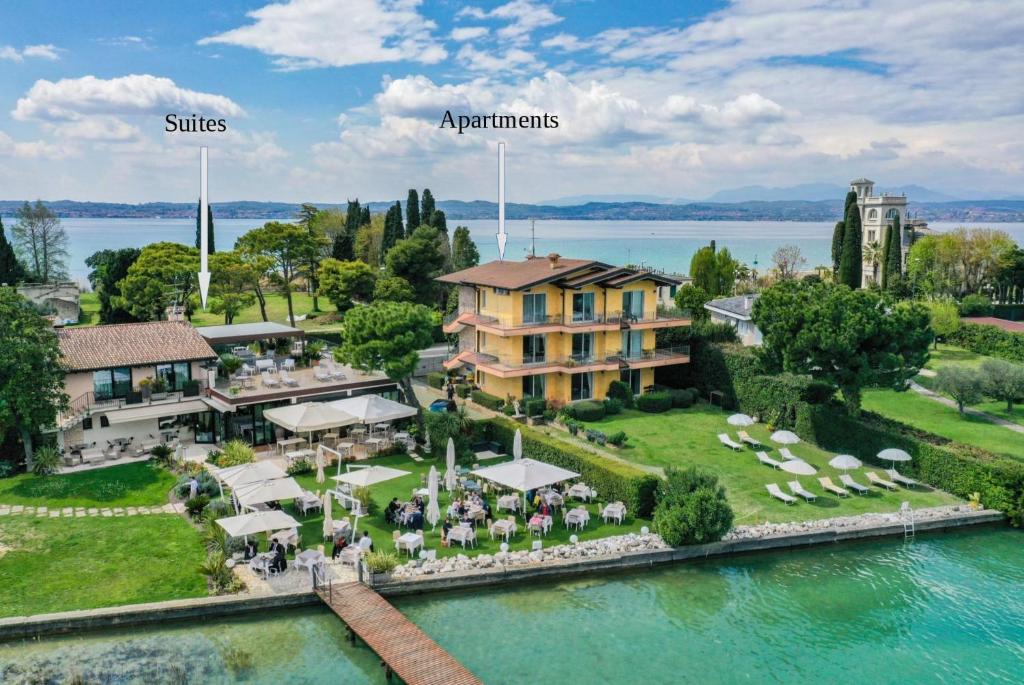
[89, 512]
[942, 399]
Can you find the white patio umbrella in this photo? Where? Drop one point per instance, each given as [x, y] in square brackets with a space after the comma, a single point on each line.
[740, 420]
[234, 476]
[328, 521]
[366, 476]
[309, 417]
[449, 464]
[256, 522]
[373, 408]
[799, 467]
[267, 491]
[320, 465]
[845, 462]
[517, 446]
[433, 510]
[894, 455]
[525, 474]
[785, 437]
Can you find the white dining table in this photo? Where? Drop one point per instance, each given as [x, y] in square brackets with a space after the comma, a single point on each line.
[410, 542]
[503, 527]
[577, 517]
[463, 534]
[509, 502]
[308, 559]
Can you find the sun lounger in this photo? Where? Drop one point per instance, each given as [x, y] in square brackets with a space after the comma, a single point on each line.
[774, 491]
[288, 380]
[768, 461]
[787, 455]
[898, 477]
[729, 442]
[829, 486]
[321, 374]
[874, 479]
[269, 381]
[849, 482]
[797, 489]
[745, 437]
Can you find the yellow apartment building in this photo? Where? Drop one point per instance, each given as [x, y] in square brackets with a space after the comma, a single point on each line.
[561, 329]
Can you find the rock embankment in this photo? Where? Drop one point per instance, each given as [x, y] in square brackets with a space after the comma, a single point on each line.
[874, 520]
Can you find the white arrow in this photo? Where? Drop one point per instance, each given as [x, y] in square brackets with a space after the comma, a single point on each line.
[204, 238]
[502, 237]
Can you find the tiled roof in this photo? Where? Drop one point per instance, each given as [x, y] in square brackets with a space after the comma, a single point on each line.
[516, 275]
[131, 344]
[739, 306]
[1011, 326]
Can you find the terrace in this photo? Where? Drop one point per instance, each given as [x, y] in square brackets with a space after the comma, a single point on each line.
[241, 390]
[662, 317]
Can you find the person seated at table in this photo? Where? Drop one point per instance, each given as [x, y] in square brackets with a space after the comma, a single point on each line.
[415, 520]
[418, 503]
[453, 509]
[392, 510]
[445, 527]
[365, 542]
[279, 563]
[274, 505]
[339, 544]
[250, 550]
[485, 506]
[544, 509]
[557, 487]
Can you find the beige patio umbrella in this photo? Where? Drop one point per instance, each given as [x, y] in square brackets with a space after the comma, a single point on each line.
[449, 463]
[328, 521]
[433, 510]
[517, 446]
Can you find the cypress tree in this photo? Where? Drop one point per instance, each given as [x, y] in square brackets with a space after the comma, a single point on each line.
[365, 218]
[438, 221]
[342, 247]
[837, 247]
[892, 259]
[851, 199]
[11, 270]
[427, 211]
[391, 230]
[850, 266]
[353, 217]
[209, 227]
[399, 228]
[412, 211]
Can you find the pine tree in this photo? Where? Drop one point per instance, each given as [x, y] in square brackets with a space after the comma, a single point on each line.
[412, 211]
[438, 221]
[11, 270]
[209, 227]
[427, 210]
[464, 252]
[837, 247]
[364, 219]
[851, 265]
[892, 259]
[342, 248]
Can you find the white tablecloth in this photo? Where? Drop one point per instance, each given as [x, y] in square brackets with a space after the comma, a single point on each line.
[510, 502]
[410, 542]
[581, 491]
[578, 517]
[503, 527]
[462, 534]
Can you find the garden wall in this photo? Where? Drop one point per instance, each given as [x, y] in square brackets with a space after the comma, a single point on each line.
[956, 468]
[612, 480]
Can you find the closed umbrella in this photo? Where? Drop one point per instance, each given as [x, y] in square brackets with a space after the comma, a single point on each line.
[328, 522]
[449, 464]
[785, 437]
[845, 462]
[799, 467]
[740, 420]
[320, 465]
[894, 455]
[433, 510]
[517, 446]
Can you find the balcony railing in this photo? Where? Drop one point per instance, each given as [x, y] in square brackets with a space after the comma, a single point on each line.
[87, 403]
[658, 353]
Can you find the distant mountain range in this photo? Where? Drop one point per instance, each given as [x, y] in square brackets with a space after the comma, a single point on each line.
[457, 210]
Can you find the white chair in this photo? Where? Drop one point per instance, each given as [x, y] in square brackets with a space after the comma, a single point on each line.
[787, 455]
[321, 374]
[900, 478]
[268, 381]
[774, 491]
[797, 489]
[768, 461]
[849, 482]
[729, 442]
[287, 379]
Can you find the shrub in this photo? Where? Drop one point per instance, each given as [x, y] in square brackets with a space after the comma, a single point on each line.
[596, 436]
[300, 467]
[535, 406]
[7, 468]
[195, 505]
[614, 480]
[618, 390]
[586, 410]
[214, 510]
[681, 399]
[233, 453]
[463, 390]
[618, 438]
[612, 406]
[45, 461]
[956, 468]
[990, 341]
[436, 379]
[487, 400]
[443, 425]
[220, 577]
[383, 561]
[654, 402]
[207, 485]
[508, 410]
[692, 508]
[230, 363]
[573, 426]
[548, 414]
[976, 305]
[162, 454]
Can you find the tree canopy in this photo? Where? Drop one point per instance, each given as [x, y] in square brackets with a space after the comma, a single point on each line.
[164, 274]
[961, 262]
[210, 243]
[343, 282]
[427, 207]
[40, 242]
[233, 281]
[714, 271]
[393, 289]
[850, 263]
[412, 211]
[961, 383]
[464, 251]
[109, 268]
[1002, 381]
[693, 297]
[289, 248]
[892, 255]
[11, 270]
[418, 259]
[848, 338]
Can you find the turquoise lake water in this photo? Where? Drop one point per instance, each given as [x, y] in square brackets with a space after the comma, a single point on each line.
[945, 608]
[660, 244]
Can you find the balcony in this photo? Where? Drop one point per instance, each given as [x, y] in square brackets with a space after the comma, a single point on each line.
[87, 404]
[514, 367]
[666, 356]
[237, 391]
[662, 317]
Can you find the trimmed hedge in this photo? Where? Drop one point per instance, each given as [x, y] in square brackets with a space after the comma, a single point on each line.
[682, 399]
[618, 390]
[654, 402]
[487, 400]
[953, 467]
[989, 340]
[586, 410]
[436, 379]
[612, 480]
[535, 406]
[612, 406]
[463, 390]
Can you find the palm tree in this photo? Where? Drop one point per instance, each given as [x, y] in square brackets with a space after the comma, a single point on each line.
[873, 256]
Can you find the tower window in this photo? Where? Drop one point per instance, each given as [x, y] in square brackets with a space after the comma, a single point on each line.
[873, 214]
[892, 213]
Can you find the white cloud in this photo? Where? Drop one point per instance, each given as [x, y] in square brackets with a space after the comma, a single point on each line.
[101, 128]
[469, 33]
[513, 60]
[35, 149]
[521, 18]
[564, 41]
[304, 34]
[47, 52]
[418, 96]
[136, 94]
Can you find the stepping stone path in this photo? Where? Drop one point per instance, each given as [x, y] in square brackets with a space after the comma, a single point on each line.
[91, 512]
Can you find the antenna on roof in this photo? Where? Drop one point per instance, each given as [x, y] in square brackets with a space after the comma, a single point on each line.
[533, 238]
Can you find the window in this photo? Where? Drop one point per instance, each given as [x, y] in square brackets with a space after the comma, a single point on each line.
[87, 423]
[632, 344]
[582, 307]
[632, 378]
[501, 291]
[104, 422]
[534, 348]
[582, 346]
[176, 375]
[872, 214]
[871, 236]
[111, 384]
[535, 308]
[582, 386]
[534, 386]
[892, 213]
[483, 299]
[633, 304]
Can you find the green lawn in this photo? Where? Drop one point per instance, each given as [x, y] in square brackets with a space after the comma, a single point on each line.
[931, 416]
[62, 564]
[124, 485]
[683, 437]
[89, 304]
[402, 488]
[946, 356]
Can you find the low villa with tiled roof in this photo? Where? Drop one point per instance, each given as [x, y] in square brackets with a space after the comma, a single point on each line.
[561, 329]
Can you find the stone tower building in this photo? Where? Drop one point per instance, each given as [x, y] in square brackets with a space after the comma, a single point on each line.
[876, 213]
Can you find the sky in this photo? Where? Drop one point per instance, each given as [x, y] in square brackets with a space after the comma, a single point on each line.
[327, 100]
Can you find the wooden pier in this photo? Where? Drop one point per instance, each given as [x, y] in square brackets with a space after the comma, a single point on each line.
[405, 649]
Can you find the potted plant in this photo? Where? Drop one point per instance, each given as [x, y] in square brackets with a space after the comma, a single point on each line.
[380, 565]
[158, 386]
[146, 388]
